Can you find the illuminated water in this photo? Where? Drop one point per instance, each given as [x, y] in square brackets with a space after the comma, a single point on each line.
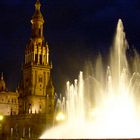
[102, 105]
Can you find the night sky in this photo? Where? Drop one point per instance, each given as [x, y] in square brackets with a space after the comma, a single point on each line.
[76, 31]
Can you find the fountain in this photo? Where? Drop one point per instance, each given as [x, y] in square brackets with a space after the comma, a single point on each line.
[102, 106]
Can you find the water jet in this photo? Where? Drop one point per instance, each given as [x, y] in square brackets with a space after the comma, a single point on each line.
[113, 111]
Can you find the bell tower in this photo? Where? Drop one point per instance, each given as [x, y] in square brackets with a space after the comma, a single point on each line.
[38, 92]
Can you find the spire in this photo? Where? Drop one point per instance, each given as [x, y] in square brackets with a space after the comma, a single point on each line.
[37, 15]
[37, 21]
[2, 76]
[37, 41]
[37, 5]
[2, 83]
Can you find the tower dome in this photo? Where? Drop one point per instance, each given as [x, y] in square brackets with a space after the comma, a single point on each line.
[2, 84]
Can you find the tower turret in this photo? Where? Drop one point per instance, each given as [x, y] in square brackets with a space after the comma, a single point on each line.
[2, 83]
[37, 51]
[37, 22]
[2, 76]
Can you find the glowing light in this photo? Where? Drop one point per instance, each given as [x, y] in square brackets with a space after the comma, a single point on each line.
[35, 108]
[60, 117]
[1, 117]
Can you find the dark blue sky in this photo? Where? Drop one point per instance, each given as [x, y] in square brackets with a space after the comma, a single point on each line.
[76, 31]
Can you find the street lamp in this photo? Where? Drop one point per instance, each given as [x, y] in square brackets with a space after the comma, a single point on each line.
[1, 117]
[60, 117]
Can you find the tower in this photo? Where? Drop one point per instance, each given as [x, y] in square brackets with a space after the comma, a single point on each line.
[37, 94]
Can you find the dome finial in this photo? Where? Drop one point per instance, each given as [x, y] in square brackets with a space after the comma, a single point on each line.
[2, 76]
[37, 5]
[37, 14]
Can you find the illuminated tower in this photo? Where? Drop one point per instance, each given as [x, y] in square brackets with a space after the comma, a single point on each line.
[37, 95]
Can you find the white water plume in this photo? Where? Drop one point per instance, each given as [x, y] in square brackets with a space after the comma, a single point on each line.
[103, 106]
